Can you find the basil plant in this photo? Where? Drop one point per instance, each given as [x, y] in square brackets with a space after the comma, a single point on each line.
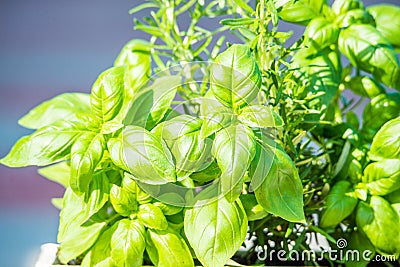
[192, 150]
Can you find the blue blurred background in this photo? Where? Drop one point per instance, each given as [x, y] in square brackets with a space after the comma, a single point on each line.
[48, 47]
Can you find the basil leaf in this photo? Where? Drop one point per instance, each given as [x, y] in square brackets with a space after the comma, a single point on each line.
[339, 204]
[381, 109]
[320, 74]
[100, 254]
[394, 197]
[59, 173]
[168, 209]
[367, 49]
[221, 118]
[144, 155]
[128, 243]
[108, 93]
[234, 149]
[386, 143]
[86, 154]
[61, 107]
[343, 6]
[254, 211]
[181, 134]
[281, 192]
[380, 222]
[260, 116]
[235, 78]
[210, 173]
[152, 217]
[123, 200]
[215, 231]
[74, 245]
[302, 11]
[47, 145]
[321, 33]
[76, 210]
[382, 177]
[209, 105]
[365, 86]
[171, 130]
[360, 242]
[135, 55]
[151, 103]
[355, 16]
[168, 249]
[387, 19]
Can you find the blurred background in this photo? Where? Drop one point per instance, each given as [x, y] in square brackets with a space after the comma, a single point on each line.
[48, 47]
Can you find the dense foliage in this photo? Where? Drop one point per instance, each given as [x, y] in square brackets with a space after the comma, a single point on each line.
[189, 146]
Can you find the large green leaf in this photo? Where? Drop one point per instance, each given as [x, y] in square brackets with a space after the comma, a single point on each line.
[319, 72]
[367, 49]
[150, 104]
[215, 231]
[381, 109]
[77, 209]
[302, 11]
[354, 16]
[168, 249]
[75, 212]
[343, 6]
[359, 241]
[144, 155]
[47, 145]
[254, 211]
[135, 55]
[100, 254]
[86, 153]
[386, 143]
[365, 86]
[382, 177]
[260, 116]
[128, 243]
[281, 191]
[235, 77]
[124, 197]
[75, 245]
[387, 19]
[339, 204]
[321, 33]
[234, 149]
[181, 134]
[152, 217]
[108, 93]
[62, 107]
[381, 223]
[221, 118]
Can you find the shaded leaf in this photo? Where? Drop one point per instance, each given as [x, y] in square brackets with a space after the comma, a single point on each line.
[339, 204]
[281, 192]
